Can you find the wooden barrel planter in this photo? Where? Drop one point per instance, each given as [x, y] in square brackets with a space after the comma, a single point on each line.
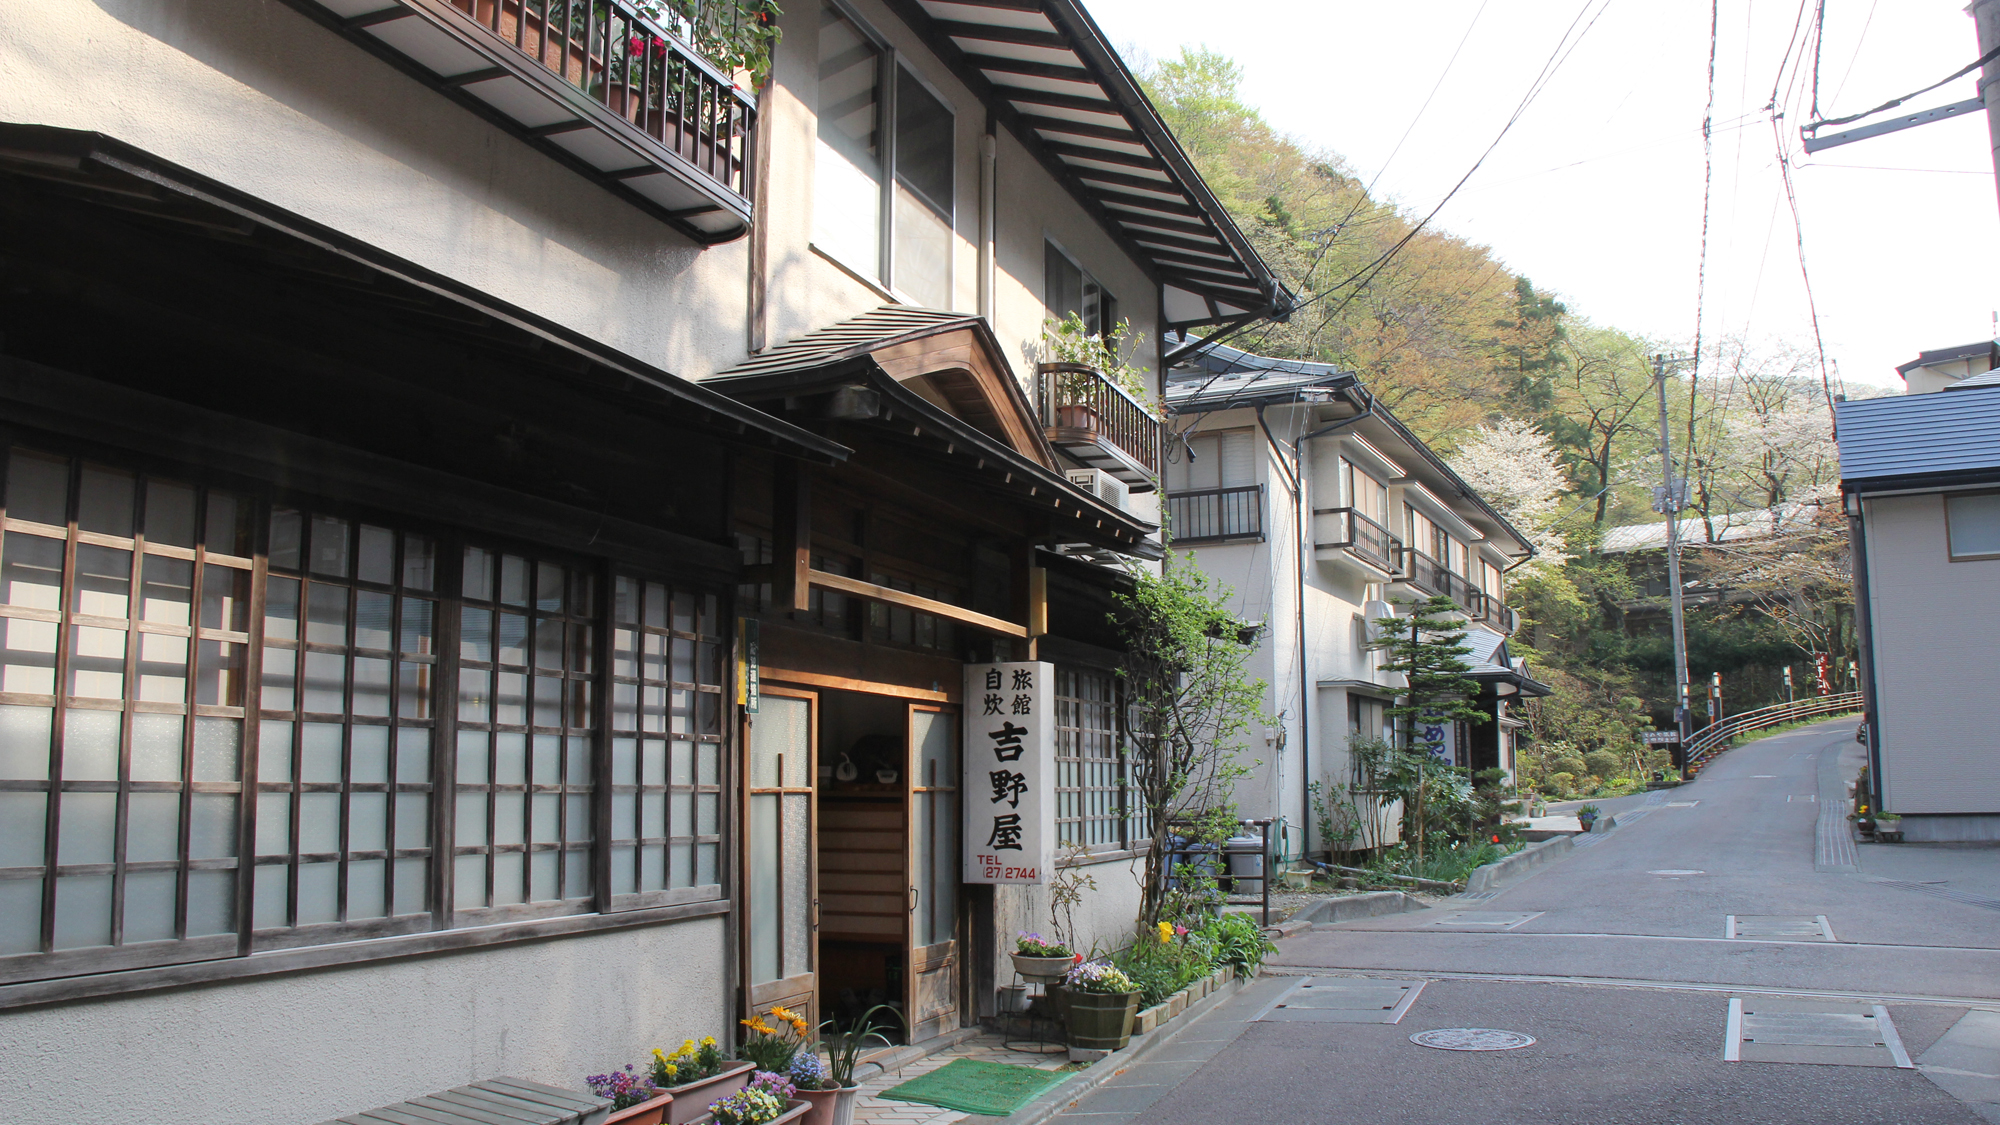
[1101, 1021]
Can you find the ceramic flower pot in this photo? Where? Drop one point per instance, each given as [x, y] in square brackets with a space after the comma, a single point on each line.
[829, 1107]
[1042, 970]
[692, 1099]
[650, 1112]
[1101, 1021]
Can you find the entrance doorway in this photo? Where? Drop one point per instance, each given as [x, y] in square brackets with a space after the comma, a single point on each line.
[888, 861]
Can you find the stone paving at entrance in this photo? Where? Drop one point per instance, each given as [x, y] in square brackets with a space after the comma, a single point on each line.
[869, 1109]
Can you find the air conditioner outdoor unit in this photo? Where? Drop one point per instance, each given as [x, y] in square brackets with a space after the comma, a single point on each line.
[1102, 485]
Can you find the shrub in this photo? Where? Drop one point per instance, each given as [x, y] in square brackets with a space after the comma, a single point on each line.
[1571, 765]
[1603, 763]
[1559, 784]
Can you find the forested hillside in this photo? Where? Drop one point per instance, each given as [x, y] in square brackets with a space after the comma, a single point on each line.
[1551, 416]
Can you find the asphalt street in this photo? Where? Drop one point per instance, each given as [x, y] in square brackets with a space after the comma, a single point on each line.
[1874, 971]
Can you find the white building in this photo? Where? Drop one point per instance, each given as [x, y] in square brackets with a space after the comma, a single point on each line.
[1296, 489]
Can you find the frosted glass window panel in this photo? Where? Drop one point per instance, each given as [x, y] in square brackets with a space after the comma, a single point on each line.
[320, 753]
[211, 903]
[543, 870]
[166, 590]
[281, 609]
[156, 747]
[546, 767]
[371, 687]
[367, 822]
[319, 893]
[368, 754]
[419, 562]
[652, 815]
[513, 580]
[510, 758]
[330, 546]
[163, 668]
[274, 751]
[23, 825]
[652, 868]
[169, 513]
[418, 636]
[475, 634]
[326, 614]
[149, 906]
[624, 761]
[469, 881]
[29, 651]
[509, 870]
[510, 699]
[377, 561]
[212, 826]
[413, 755]
[367, 888]
[681, 815]
[798, 883]
[680, 859]
[274, 823]
[474, 759]
[781, 730]
[653, 762]
[936, 736]
[287, 538]
[325, 684]
[220, 674]
[412, 886]
[1973, 525]
[765, 857]
[228, 525]
[577, 822]
[510, 813]
[707, 865]
[85, 835]
[577, 882]
[270, 902]
[470, 825]
[97, 663]
[374, 619]
[24, 745]
[413, 820]
[624, 869]
[546, 819]
[37, 487]
[513, 639]
[83, 911]
[31, 571]
[280, 677]
[319, 823]
[104, 502]
[708, 764]
[923, 252]
[708, 814]
[20, 916]
[152, 827]
[549, 587]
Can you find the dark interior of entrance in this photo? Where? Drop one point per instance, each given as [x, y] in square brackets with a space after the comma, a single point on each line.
[863, 854]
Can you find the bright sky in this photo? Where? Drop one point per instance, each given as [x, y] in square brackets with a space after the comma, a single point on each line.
[1596, 192]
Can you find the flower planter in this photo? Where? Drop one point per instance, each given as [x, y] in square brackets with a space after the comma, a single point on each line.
[650, 1112]
[1148, 1019]
[692, 1099]
[1042, 970]
[1101, 1021]
[829, 1107]
[1177, 1003]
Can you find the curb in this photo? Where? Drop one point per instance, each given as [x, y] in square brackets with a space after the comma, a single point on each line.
[1349, 907]
[1063, 1094]
[1514, 866]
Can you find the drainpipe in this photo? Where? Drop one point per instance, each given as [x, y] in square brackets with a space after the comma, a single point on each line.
[1864, 644]
[988, 193]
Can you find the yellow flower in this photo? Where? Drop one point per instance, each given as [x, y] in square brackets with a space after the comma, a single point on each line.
[800, 1027]
[1166, 932]
[669, 1069]
[659, 1055]
[706, 1041]
[783, 1014]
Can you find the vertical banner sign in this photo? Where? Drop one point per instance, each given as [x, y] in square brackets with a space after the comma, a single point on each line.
[1010, 772]
[747, 673]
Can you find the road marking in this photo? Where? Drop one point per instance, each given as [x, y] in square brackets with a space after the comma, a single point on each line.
[1977, 1003]
[1808, 798]
[1818, 942]
[1763, 777]
[1676, 871]
[1732, 1032]
[1485, 919]
[1682, 804]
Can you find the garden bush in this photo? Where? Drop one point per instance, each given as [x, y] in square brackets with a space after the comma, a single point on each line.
[1559, 784]
[1572, 765]
[1604, 764]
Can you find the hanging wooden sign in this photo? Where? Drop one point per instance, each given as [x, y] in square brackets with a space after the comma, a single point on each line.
[1009, 794]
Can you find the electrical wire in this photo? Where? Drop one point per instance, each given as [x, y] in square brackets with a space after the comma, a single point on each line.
[1799, 237]
[1858, 42]
[1892, 103]
[1701, 269]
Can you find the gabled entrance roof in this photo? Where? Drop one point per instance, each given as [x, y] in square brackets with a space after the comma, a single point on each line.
[938, 381]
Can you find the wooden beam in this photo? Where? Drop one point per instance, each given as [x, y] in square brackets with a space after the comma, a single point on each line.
[871, 592]
[791, 537]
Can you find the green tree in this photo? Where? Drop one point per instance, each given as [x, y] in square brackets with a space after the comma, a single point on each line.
[1427, 646]
[1189, 702]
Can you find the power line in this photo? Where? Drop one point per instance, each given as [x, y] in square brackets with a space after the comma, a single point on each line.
[1707, 189]
[1858, 42]
[1799, 236]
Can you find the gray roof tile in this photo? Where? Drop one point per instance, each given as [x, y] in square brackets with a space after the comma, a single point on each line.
[1920, 435]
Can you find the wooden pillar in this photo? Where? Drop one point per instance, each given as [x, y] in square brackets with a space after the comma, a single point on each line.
[791, 537]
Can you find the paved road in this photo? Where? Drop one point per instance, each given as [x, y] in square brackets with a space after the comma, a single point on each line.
[1618, 960]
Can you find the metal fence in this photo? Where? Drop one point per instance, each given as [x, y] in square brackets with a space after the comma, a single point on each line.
[1208, 515]
[1714, 740]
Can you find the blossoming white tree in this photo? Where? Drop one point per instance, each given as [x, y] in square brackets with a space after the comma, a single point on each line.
[1513, 466]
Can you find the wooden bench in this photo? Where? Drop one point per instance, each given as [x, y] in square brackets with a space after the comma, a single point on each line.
[494, 1101]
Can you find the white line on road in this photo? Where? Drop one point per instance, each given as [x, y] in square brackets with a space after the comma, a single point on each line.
[1812, 942]
[1887, 1028]
[1978, 1003]
[1732, 1035]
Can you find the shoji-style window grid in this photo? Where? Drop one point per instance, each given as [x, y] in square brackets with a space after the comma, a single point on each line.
[125, 610]
[347, 728]
[668, 663]
[1093, 797]
[527, 714]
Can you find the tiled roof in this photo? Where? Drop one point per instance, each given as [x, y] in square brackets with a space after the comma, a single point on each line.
[1728, 527]
[1917, 436]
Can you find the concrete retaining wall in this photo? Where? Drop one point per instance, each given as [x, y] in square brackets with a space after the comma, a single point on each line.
[1349, 907]
[1515, 866]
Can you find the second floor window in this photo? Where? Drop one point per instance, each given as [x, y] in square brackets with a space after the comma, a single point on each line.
[1223, 459]
[1364, 493]
[1069, 288]
[876, 116]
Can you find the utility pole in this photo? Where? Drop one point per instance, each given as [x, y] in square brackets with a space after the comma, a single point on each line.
[1670, 503]
[1986, 20]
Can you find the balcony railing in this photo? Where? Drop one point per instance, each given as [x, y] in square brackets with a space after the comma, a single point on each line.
[620, 96]
[1093, 420]
[1433, 577]
[1215, 515]
[1362, 537]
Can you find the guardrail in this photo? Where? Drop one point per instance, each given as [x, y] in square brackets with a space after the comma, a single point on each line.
[1214, 515]
[1712, 741]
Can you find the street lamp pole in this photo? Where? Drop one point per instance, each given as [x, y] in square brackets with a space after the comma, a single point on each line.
[1670, 503]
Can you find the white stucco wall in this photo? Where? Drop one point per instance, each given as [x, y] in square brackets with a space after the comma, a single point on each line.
[313, 1046]
[259, 97]
[1105, 919]
[1934, 654]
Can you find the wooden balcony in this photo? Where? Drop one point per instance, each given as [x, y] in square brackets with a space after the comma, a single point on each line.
[1093, 420]
[622, 98]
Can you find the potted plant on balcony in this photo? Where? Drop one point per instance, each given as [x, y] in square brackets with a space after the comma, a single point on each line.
[1101, 1002]
[695, 1075]
[635, 1100]
[1076, 359]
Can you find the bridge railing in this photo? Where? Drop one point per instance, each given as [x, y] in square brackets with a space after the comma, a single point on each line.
[1712, 741]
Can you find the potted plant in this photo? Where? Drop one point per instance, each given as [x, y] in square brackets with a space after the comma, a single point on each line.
[768, 1099]
[1587, 816]
[1889, 827]
[773, 1039]
[830, 1089]
[635, 1100]
[695, 1075]
[1077, 359]
[1041, 961]
[1101, 1002]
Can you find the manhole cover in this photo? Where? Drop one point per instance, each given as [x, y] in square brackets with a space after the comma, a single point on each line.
[1471, 1039]
[1484, 919]
[1675, 871]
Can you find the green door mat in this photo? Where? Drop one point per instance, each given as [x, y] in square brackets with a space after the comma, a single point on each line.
[970, 1086]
